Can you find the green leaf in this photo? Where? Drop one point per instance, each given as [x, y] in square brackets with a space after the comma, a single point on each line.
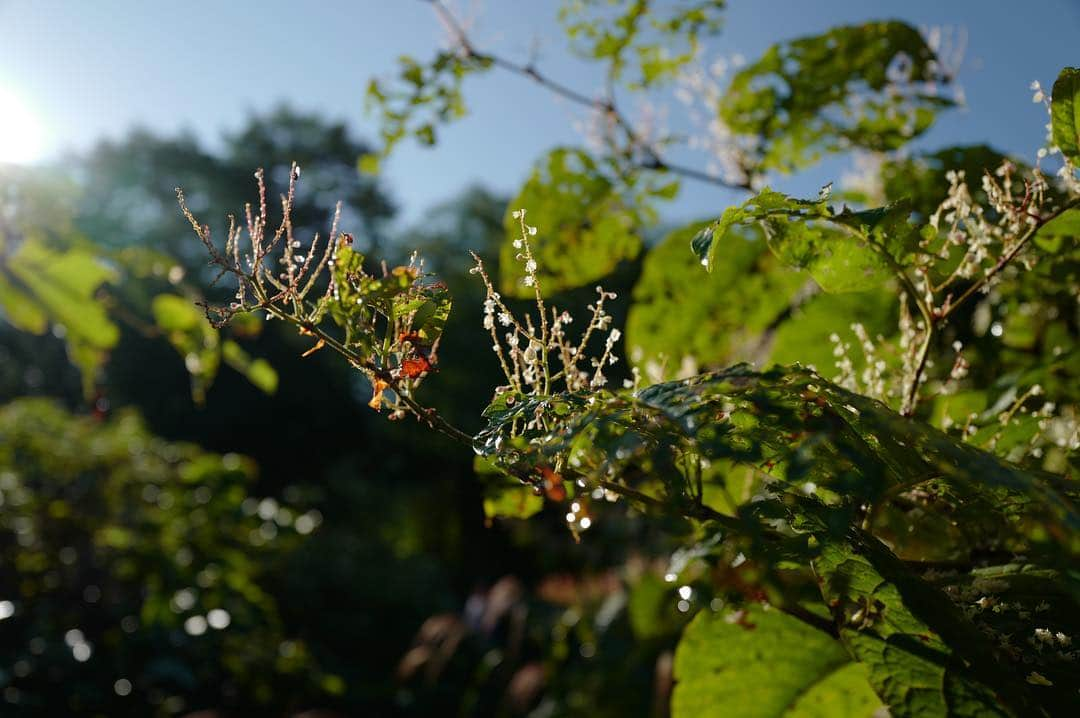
[430, 311]
[918, 648]
[651, 608]
[845, 252]
[62, 285]
[20, 310]
[706, 243]
[585, 227]
[718, 318]
[831, 92]
[808, 430]
[805, 336]
[175, 313]
[368, 164]
[518, 502]
[759, 663]
[836, 260]
[258, 371]
[1065, 113]
[503, 497]
[1060, 233]
[887, 226]
[192, 336]
[661, 37]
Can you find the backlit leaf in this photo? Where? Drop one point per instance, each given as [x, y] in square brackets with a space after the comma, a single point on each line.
[585, 228]
[1065, 113]
[759, 663]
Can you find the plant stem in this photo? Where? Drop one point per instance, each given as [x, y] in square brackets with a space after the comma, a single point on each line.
[428, 415]
[935, 318]
[1009, 256]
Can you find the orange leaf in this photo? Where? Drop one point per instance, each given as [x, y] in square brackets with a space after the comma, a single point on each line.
[412, 368]
[553, 484]
[377, 396]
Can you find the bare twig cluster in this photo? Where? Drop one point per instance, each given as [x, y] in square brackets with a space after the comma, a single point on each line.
[386, 324]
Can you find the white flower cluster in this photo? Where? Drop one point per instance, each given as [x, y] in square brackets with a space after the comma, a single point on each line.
[872, 380]
[700, 88]
[983, 236]
[536, 353]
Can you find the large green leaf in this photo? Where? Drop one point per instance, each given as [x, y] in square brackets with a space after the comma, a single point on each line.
[836, 260]
[720, 317]
[63, 283]
[174, 313]
[805, 428]
[1061, 233]
[924, 658]
[1065, 113]
[505, 498]
[873, 85]
[843, 251]
[48, 286]
[805, 336]
[515, 502]
[585, 227]
[759, 663]
[202, 348]
[20, 310]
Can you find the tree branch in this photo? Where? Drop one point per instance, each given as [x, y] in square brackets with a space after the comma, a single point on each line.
[653, 160]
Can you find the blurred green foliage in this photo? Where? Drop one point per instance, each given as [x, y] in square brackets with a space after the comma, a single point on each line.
[310, 588]
[134, 571]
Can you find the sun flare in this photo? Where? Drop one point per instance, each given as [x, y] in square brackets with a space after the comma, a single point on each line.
[21, 136]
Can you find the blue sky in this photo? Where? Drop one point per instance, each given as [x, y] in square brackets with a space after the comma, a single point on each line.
[93, 69]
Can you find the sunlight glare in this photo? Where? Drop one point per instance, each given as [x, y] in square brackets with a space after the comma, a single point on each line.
[20, 132]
